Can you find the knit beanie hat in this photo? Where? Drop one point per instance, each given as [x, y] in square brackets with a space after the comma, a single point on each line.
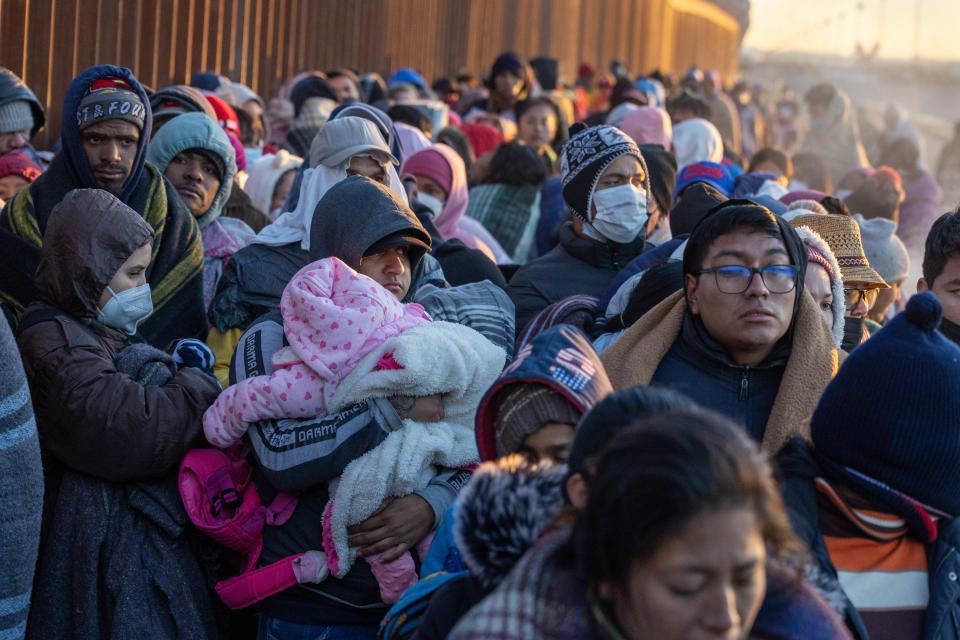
[226, 116]
[240, 153]
[17, 164]
[177, 100]
[525, 407]
[888, 420]
[16, 115]
[110, 98]
[508, 62]
[713, 173]
[584, 159]
[697, 200]
[406, 75]
[429, 163]
[483, 137]
[886, 253]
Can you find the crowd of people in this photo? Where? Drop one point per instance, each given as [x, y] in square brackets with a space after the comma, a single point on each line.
[499, 356]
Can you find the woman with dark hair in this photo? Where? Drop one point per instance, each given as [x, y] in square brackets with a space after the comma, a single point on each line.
[682, 536]
[507, 202]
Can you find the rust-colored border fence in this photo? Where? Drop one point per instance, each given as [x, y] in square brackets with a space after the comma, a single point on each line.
[263, 42]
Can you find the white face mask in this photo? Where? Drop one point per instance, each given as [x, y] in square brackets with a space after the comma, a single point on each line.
[432, 203]
[621, 213]
[126, 309]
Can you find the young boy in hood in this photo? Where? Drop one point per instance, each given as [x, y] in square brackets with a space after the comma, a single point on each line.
[877, 500]
[114, 415]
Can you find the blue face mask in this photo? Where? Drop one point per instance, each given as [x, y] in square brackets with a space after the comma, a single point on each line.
[126, 309]
[253, 153]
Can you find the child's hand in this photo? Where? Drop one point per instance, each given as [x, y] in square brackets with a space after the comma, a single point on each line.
[422, 409]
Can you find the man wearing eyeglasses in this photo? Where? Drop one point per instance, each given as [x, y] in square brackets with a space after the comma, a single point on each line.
[743, 338]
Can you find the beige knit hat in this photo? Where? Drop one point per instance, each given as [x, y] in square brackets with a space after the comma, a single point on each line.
[842, 234]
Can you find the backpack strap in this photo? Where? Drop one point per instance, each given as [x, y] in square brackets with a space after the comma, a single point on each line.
[253, 586]
[46, 314]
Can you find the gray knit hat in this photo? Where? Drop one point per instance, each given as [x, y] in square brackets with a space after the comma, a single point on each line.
[523, 409]
[16, 115]
[111, 98]
[885, 252]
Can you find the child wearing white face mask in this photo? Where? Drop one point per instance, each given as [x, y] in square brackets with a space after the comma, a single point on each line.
[81, 350]
[115, 417]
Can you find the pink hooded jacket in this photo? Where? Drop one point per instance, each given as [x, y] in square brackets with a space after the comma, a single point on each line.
[441, 164]
[332, 317]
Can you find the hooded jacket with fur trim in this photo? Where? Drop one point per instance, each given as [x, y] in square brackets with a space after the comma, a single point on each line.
[500, 514]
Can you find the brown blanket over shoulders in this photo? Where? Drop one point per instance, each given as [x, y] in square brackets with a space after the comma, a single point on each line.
[633, 359]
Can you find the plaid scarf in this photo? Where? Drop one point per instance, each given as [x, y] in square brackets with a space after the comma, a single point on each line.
[504, 210]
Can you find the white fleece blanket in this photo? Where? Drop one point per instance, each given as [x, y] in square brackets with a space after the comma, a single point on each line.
[438, 357]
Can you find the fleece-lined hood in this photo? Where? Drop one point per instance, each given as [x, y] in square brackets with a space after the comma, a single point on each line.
[76, 157]
[196, 131]
[501, 512]
[560, 358]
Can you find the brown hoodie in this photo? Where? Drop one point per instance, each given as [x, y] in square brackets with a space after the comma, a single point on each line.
[91, 417]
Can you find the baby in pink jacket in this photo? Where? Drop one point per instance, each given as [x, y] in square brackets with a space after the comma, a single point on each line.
[332, 317]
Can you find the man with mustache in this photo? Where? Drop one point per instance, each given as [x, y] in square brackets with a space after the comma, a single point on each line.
[105, 132]
[743, 337]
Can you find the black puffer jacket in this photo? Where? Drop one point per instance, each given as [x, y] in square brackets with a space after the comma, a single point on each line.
[576, 266]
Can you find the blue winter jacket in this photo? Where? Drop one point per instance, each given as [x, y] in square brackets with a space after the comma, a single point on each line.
[797, 470]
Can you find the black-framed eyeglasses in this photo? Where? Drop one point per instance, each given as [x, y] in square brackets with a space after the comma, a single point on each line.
[777, 278]
[853, 296]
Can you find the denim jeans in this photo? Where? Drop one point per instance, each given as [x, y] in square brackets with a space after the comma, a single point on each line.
[276, 629]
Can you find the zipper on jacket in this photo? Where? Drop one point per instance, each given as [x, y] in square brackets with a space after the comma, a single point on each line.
[744, 383]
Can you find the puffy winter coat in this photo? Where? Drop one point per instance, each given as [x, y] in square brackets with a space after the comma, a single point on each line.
[576, 266]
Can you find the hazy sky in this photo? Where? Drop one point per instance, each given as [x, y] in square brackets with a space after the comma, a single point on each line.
[800, 25]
